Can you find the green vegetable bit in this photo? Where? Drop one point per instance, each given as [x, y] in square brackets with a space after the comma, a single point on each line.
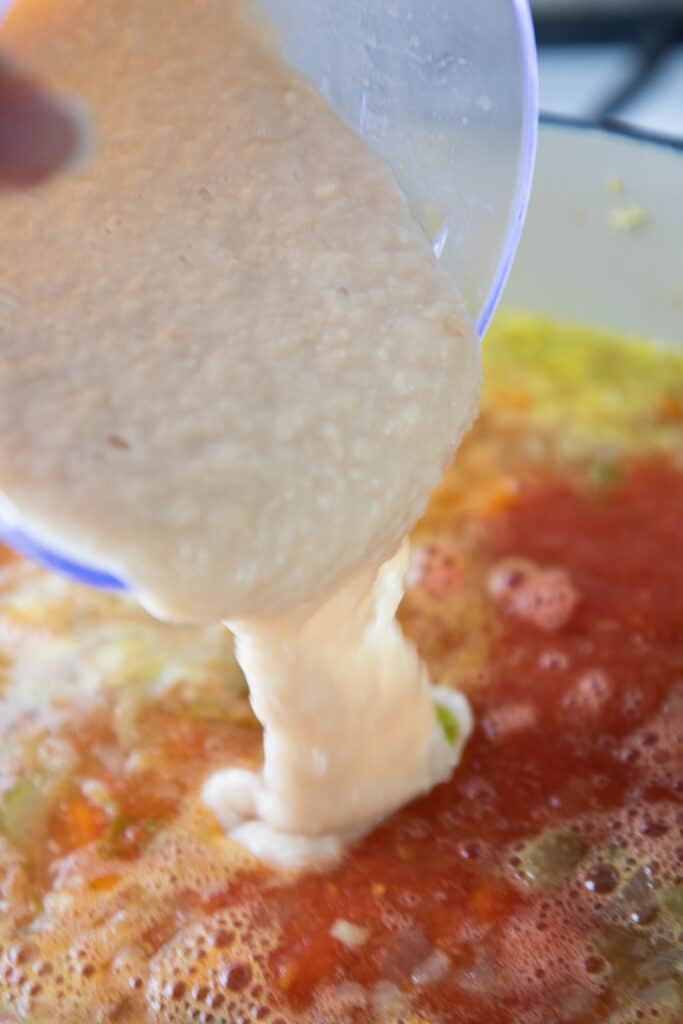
[645, 972]
[549, 859]
[448, 722]
[127, 837]
[604, 475]
[238, 712]
[24, 810]
[671, 902]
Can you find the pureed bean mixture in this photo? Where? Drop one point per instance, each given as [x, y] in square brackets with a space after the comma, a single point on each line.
[543, 883]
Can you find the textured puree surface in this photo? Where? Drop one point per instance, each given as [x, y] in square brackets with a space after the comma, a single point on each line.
[542, 883]
[351, 724]
[230, 372]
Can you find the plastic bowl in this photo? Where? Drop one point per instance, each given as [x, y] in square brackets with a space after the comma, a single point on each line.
[447, 93]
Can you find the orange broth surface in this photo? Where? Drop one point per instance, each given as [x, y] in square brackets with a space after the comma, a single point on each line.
[543, 883]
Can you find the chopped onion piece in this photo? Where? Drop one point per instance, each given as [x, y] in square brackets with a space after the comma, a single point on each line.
[352, 935]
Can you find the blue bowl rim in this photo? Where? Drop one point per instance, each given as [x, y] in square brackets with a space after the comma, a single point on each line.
[527, 160]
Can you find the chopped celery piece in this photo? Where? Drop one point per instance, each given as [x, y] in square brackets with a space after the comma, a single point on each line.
[448, 722]
[212, 711]
[24, 811]
[127, 837]
[671, 902]
[604, 475]
[549, 859]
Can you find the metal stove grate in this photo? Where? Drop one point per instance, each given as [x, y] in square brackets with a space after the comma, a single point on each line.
[618, 65]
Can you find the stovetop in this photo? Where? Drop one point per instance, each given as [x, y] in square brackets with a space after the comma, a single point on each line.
[613, 61]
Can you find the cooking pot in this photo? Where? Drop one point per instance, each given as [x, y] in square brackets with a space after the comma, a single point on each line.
[603, 240]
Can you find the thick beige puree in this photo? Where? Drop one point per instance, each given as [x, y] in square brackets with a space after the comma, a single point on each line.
[231, 373]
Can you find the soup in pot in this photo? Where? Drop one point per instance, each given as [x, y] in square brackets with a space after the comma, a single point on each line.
[543, 882]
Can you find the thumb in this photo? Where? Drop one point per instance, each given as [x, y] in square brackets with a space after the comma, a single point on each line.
[40, 134]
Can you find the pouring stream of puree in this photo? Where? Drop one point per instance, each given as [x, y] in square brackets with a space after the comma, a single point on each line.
[231, 373]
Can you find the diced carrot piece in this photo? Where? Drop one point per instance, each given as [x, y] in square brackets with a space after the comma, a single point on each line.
[80, 822]
[484, 902]
[105, 883]
[671, 409]
[288, 974]
[513, 398]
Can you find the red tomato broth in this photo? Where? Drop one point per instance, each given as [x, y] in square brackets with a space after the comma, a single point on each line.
[444, 864]
[543, 883]
[444, 873]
